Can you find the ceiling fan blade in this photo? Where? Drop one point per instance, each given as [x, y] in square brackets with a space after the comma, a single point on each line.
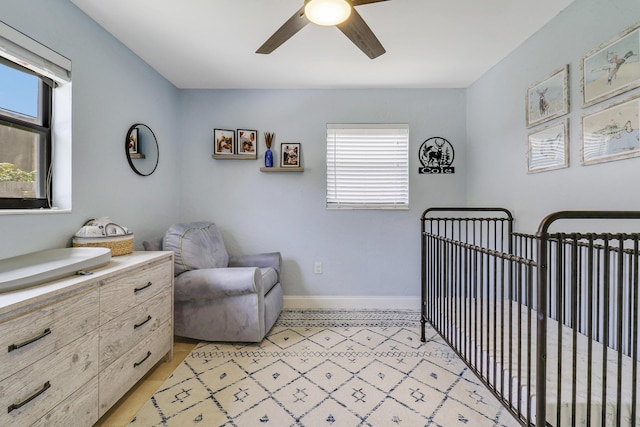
[361, 35]
[284, 33]
[361, 2]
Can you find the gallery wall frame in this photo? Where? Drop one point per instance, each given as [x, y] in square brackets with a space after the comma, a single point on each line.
[548, 147]
[224, 141]
[612, 68]
[133, 141]
[548, 98]
[611, 133]
[290, 155]
[247, 143]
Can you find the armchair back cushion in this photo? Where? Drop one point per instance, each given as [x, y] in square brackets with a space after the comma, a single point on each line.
[196, 245]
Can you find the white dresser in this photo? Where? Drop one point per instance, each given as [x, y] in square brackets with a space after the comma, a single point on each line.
[70, 348]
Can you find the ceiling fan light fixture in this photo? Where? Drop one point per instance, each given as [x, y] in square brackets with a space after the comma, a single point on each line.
[327, 12]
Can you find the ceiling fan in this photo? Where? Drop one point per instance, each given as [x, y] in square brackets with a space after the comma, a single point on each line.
[341, 13]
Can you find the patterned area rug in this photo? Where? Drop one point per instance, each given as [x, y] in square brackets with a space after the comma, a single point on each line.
[327, 368]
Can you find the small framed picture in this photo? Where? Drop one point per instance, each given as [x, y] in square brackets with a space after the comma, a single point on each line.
[548, 98]
[612, 68]
[133, 141]
[611, 133]
[223, 142]
[290, 155]
[548, 148]
[247, 143]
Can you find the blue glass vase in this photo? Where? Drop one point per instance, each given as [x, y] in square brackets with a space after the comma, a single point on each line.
[268, 158]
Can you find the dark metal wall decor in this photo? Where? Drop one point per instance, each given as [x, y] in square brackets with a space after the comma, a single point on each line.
[141, 148]
[436, 155]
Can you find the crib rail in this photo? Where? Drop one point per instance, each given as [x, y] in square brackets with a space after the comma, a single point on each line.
[590, 284]
[555, 340]
[467, 286]
[492, 230]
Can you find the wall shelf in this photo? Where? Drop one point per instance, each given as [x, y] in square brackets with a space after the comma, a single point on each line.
[281, 169]
[233, 157]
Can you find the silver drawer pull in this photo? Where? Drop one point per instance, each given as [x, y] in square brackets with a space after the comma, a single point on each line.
[22, 344]
[142, 323]
[19, 405]
[135, 365]
[136, 290]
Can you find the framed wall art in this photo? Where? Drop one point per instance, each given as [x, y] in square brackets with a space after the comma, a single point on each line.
[133, 141]
[290, 155]
[548, 148]
[611, 69]
[548, 98]
[223, 142]
[611, 133]
[247, 143]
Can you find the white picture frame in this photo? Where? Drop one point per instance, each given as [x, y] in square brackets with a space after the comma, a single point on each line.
[548, 98]
[612, 68]
[611, 133]
[548, 148]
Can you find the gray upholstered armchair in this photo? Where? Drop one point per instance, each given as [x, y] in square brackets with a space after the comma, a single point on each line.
[220, 297]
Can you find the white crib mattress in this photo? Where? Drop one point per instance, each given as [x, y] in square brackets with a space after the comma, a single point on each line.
[524, 382]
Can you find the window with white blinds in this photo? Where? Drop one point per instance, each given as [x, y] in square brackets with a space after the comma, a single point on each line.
[367, 166]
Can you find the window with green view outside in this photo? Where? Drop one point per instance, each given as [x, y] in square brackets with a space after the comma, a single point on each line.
[24, 137]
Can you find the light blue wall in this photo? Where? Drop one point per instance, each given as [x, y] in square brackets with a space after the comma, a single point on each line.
[363, 252]
[497, 135]
[112, 89]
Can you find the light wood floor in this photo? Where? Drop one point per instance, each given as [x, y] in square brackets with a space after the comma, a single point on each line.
[130, 404]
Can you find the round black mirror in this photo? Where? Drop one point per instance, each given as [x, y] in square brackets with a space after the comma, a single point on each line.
[142, 149]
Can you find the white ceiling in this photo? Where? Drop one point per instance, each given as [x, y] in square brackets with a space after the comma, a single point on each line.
[211, 44]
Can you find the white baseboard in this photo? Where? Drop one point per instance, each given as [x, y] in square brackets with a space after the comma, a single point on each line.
[339, 302]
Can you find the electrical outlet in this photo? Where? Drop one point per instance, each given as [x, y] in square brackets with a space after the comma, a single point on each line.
[317, 267]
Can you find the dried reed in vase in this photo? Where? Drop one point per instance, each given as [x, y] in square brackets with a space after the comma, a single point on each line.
[268, 138]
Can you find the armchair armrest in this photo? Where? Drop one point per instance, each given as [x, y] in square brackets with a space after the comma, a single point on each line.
[270, 259]
[213, 283]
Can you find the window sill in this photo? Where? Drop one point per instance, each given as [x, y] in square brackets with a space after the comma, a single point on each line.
[33, 211]
[365, 207]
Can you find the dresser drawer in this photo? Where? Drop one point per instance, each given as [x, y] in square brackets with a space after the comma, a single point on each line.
[79, 409]
[29, 337]
[122, 374]
[126, 292]
[34, 391]
[125, 331]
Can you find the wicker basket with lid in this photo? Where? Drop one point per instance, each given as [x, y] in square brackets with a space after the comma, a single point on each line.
[101, 232]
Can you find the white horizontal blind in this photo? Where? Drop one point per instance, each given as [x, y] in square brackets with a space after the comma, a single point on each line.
[368, 166]
[23, 50]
